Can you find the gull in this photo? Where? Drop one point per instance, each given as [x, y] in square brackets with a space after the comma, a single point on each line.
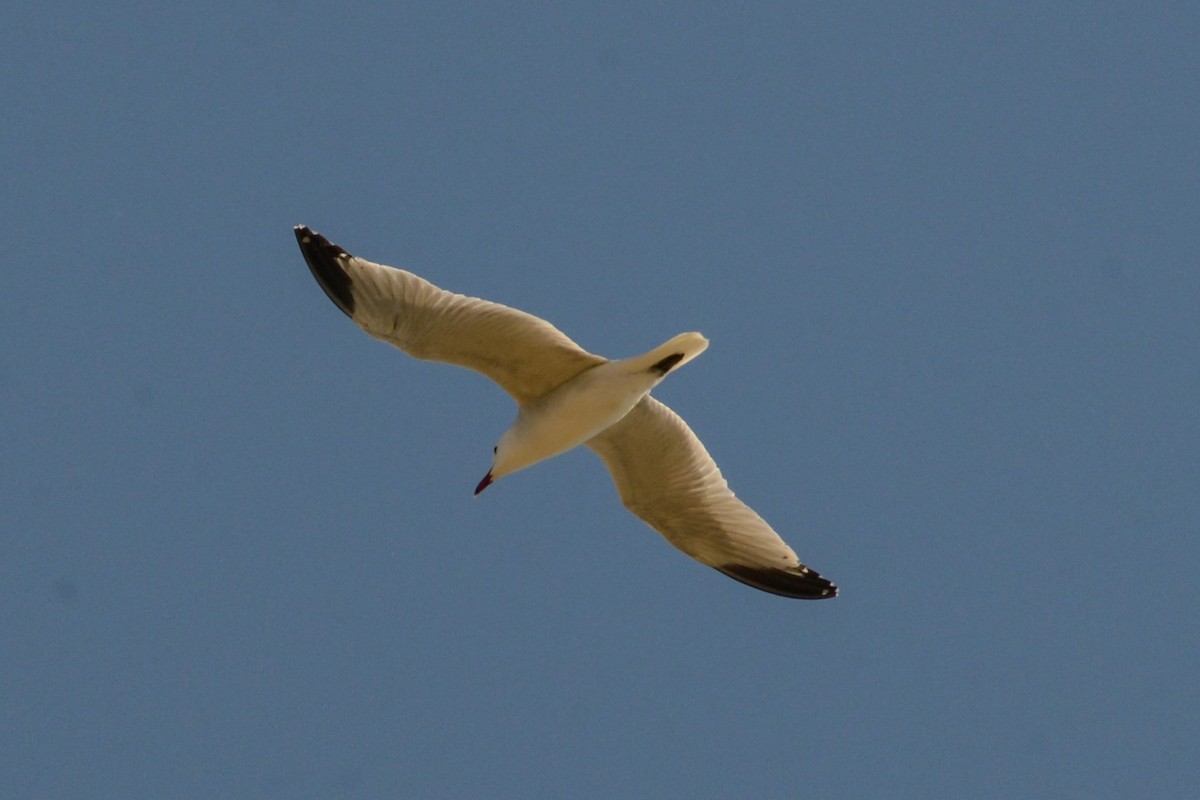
[566, 397]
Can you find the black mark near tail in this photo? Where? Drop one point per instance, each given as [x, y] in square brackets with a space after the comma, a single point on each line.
[664, 366]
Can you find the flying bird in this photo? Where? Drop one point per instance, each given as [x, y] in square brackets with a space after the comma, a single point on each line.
[566, 397]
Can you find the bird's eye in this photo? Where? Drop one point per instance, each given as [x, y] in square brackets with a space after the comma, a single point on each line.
[494, 449]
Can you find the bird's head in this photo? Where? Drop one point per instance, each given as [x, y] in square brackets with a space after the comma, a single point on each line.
[506, 459]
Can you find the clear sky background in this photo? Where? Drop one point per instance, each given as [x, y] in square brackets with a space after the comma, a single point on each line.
[948, 258]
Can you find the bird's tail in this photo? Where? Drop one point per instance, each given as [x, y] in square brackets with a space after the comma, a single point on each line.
[669, 355]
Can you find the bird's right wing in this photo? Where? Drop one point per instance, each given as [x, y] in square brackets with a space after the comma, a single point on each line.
[526, 355]
[665, 476]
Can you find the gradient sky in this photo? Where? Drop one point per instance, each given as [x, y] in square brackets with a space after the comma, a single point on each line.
[948, 258]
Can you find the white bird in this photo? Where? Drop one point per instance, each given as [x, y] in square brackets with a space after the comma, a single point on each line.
[567, 396]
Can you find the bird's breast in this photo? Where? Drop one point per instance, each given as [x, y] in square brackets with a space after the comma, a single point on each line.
[578, 410]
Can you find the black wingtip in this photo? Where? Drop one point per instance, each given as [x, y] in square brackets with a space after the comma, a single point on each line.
[323, 261]
[805, 584]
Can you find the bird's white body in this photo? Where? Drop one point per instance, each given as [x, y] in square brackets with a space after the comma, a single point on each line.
[585, 405]
[566, 397]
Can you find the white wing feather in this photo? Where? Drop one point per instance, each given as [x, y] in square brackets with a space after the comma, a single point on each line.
[665, 476]
[526, 355]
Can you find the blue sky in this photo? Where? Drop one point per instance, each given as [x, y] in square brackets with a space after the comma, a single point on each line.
[949, 262]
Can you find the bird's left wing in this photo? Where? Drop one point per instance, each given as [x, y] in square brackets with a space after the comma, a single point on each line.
[525, 354]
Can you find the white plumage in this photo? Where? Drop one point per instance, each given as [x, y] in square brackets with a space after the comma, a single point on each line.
[567, 396]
